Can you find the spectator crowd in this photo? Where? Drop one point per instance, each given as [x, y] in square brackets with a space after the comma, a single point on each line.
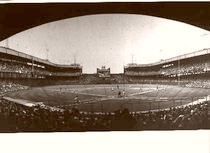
[8, 86]
[16, 118]
[186, 69]
[173, 70]
[21, 68]
[199, 83]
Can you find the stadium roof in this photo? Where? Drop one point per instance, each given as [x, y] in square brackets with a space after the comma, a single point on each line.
[180, 57]
[15, 18]
[30, 58]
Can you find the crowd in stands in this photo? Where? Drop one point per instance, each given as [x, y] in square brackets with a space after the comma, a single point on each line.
[33, 70]
[186, 117]
[8, 86]
[186, 69]
[20, 68]
[8, 66]
[16, 118]
[198, 83]
[173, 70]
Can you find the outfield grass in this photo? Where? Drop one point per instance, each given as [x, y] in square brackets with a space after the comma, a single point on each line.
[105, 97]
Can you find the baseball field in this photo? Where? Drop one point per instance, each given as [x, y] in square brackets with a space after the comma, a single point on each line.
[111, 97]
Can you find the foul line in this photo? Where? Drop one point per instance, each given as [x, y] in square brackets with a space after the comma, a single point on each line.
[80, 93]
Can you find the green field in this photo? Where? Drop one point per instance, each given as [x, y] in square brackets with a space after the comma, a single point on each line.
[104, 98]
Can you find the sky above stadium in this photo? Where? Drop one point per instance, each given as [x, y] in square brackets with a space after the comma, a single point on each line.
[112, 40]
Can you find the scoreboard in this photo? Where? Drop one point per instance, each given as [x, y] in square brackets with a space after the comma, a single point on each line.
[103, 72]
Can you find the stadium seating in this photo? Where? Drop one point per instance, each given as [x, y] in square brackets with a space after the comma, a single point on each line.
[8, 86]
[25, 70]
[183, 68]
[186, 69]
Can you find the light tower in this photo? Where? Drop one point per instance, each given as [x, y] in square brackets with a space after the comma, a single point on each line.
[47, 54]
[131, 58]
[75, 59]
[178, 77]
[7, 44]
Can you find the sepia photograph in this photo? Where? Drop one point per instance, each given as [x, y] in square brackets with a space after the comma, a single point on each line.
[79, 67]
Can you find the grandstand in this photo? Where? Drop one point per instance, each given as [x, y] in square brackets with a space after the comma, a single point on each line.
[183, 68]
[14, 64]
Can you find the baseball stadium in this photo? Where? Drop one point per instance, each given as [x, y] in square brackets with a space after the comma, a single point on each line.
[167, 94]
[39, 95]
